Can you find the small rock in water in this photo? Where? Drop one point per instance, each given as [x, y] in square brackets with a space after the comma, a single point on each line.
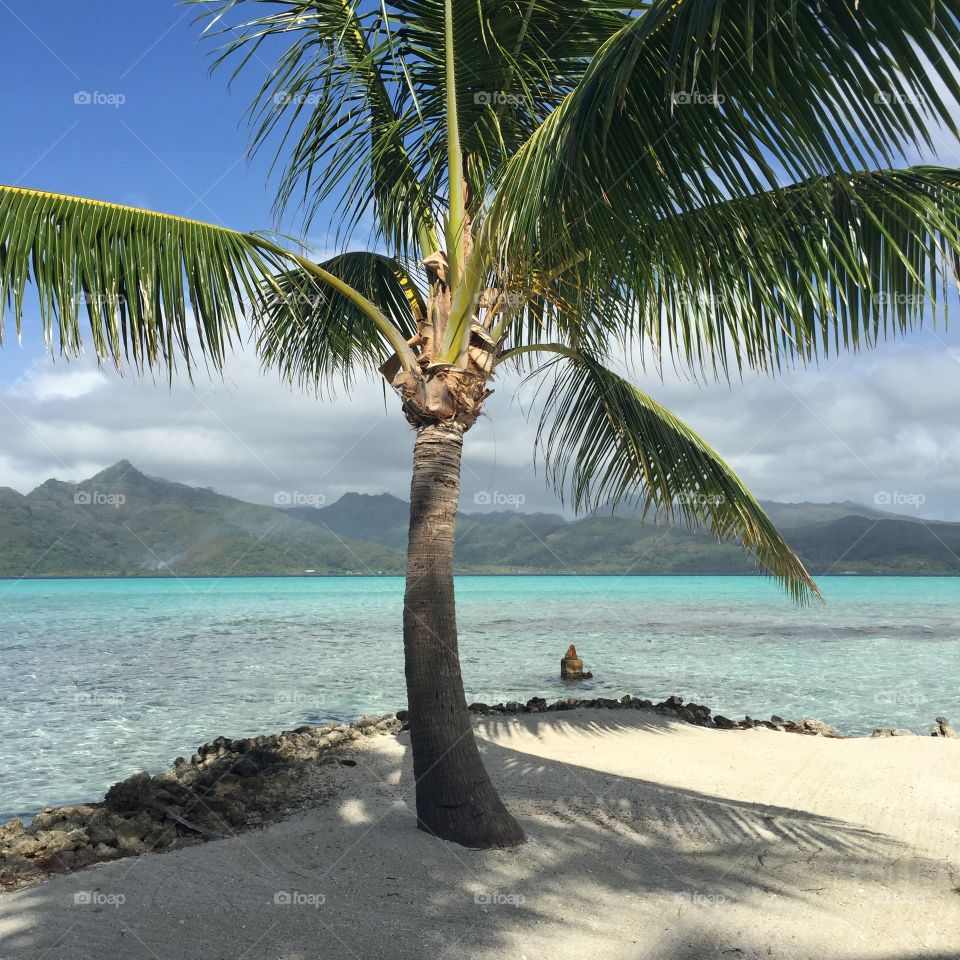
[571, 666]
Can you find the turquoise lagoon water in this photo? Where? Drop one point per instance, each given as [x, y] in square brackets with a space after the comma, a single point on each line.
[101, 678]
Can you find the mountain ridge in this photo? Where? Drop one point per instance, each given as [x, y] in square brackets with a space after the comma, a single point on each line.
[123, 522]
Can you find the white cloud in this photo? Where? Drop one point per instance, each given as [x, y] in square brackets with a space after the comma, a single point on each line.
[68, 382]
[882, 421]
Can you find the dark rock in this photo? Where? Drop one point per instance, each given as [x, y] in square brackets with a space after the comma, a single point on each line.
[671, 703]
[514, 706]
[245, 767]
[102, 827]
[229, 809]
[942, 728]
[536, 705]
[131, 794]
[724, 723]
[480, 708]
[402, 715]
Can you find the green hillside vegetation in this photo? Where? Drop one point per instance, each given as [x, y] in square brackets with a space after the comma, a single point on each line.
[135, 525]
[159, 527]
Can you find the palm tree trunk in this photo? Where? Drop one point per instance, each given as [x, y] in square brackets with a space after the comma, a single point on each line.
[455, 798]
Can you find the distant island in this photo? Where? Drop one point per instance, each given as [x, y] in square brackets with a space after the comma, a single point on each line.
[121, 522]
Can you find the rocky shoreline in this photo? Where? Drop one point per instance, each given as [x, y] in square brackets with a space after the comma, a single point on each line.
[231, 785]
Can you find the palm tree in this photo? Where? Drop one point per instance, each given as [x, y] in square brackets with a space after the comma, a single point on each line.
[555, 185]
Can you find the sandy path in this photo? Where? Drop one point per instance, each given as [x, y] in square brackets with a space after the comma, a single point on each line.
[648, 839]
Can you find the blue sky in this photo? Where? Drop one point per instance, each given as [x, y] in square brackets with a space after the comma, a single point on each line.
[861, 427]
[175, 143]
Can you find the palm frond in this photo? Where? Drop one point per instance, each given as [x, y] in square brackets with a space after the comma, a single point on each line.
[516, 60]
[332, 103]
[787, 276]
[151, 286]
[606, 442]
[695, 102]
[315, 337]
[357, 95]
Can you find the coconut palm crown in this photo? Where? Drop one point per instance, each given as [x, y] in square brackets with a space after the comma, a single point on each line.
[715, 185]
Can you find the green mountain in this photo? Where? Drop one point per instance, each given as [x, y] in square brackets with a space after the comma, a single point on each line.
[838, 538]
[124, 523]
[121, 522]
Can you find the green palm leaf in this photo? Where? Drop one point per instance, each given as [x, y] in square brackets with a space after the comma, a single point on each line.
[316, 337]
[151, 286]
[335, 102]
[360, 94]
[787, 275]
[698, 101]
[606, 442]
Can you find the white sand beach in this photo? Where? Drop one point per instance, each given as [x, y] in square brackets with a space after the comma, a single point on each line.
[648, 838]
